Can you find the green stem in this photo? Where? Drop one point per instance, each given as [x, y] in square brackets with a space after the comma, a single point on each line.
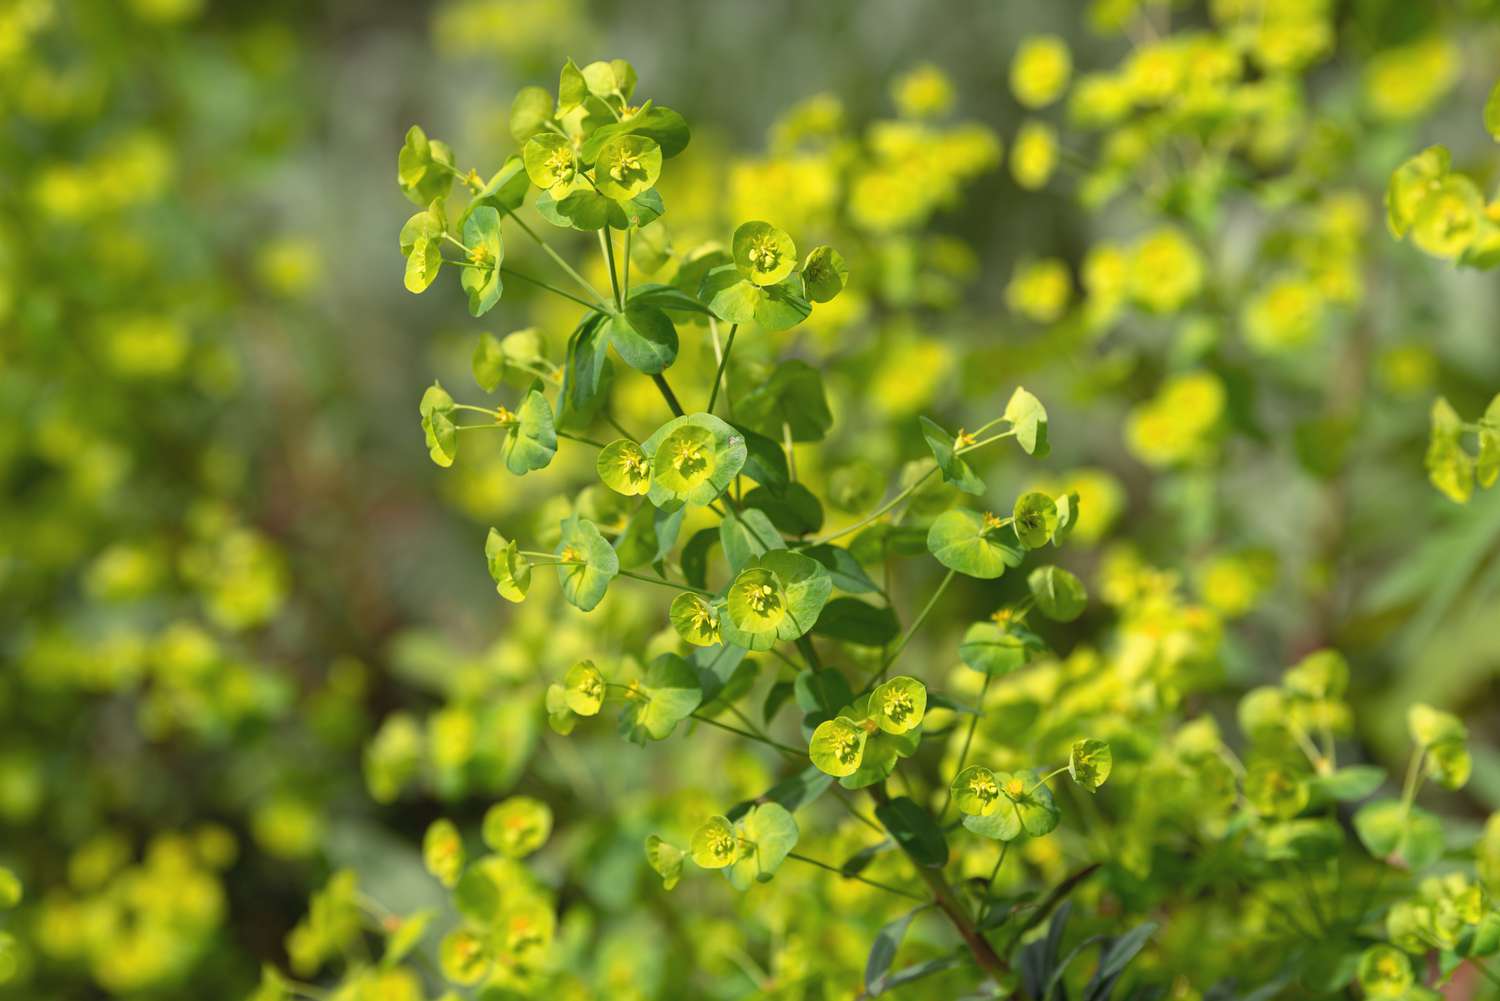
[876, 514]
[558, 259]
[868, 882]
[665, 583]
[989, 884]
[783, 748]
[554, 289]
[916, 624]
[1046, 778]
[608, 244]
[719, 374]
[667, 394]
[625, 266]
[963, 756]
[578, 437]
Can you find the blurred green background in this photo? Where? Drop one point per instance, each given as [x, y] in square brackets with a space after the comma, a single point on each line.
[227, 563]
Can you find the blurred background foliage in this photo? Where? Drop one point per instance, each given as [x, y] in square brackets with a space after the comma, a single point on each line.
[247, 633]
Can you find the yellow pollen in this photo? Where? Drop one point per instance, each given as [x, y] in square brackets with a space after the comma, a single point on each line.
[571, 555]
[628, 163]
[992, 521]
[503, 416]
[764, 254]
[762, 597]
[964, 439]
[1015, 788]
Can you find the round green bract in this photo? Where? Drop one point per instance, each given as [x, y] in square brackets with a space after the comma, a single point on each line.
[757, 602]
[464, 957]
[693, 460]
[1035, 519]
[437, 426]
[976, 791]
[510, 570]
[695, 619]
[1273, 790]
[517, 826]
[584, 687]
[961, 540]
[899, 704]
[1058, 593]
[762, 253]
[624, 467]
[665, 859]
[627, 165]
[443, 852]
[584, 582]
[837, 746]
[1089, 763]
[825, 274]
[715, 844]
[800, 588]
[992, 649]
[551, 162]
[480, 277]
[531, 441]
[1385, 972]
[771, 833]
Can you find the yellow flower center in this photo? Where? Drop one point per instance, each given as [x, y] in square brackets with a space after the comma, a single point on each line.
[560, 164]
[765, 255]
[1003, 617]
[504, 416]
[690, 458]
[625, 165]
[992, 521]
[762, 598]
[571, 555]
[723, 845]
[898, 706]
[479, 254]
[1015, 788]
[984, 787]
[635, 466]
[848, 747]
[964, 439]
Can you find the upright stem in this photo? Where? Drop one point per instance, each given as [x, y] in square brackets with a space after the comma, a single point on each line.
[667, 394]
[916, 624]
[608, 243]
[719, 374]
[963, 756]
[625, 266]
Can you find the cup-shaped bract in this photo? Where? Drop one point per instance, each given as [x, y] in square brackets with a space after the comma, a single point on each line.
[517, 826]
[1322, 674]
[1274, 790]
[990, 648]
[560, 718]
[1384, 972]
[464, 957]
[421, 245]
[531, 437]
[824, 274]
[762, 253]
[665, 859]
[695, 619]
[1449, 763]
[486, 250]
[973, 544]
[624, 467]
[424, 167]
[441, 433]
[588, 563]
[944, 449]
[1028, 809]
[694, 458]
[757, 603]
[837, 746]
[769, 832]
[1034, 519]
[1089, 762]
[1028, 419]
[584, 688]
[666, 695]
[1058, 593]
[779, 593]
[898, 705]
[443, 851]
[976, 791]
[551, 162]
[510, 570]
[627, 165]
[1429, 726]
[715, 844]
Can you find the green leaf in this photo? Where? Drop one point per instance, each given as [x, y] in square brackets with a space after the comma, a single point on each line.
[423, 264]
[489, 363]
[765, 460]
[505, 191]
[1028, 418]
[915, 831]
[793, 396]
[481, 278]
[778, 592]
[694, 458]
[585, 581]
[731, 297]
[530, 442]
[993, 649]
[972, 544]
[954, 469]
[665, 297]
[772, 832]
[883, 951]
[571, 88]
[747, 534]
[644, 338]
[845, 570]
[794, 510]
[667, 695]
[1492, 113]
[408, 935]
[1352, 782]
[850, 620]
[530, 112]
[423, 167]
[508, 568]
[665, 126]
[586, 372]
[1058, 594]
[1388, 829]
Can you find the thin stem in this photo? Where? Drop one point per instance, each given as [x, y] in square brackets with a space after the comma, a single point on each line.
[963, 756]
[916, 624]
[556, 257]
[791, 451]
[989, 884]
[783, 748]
[665, 583]
[608, 419]
[719, 374]
[625, 266]
[608, 245]
[868, 882]
[877, 513]
[553, 289]
[1046, 778]
[667, 394]
[578, 437]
